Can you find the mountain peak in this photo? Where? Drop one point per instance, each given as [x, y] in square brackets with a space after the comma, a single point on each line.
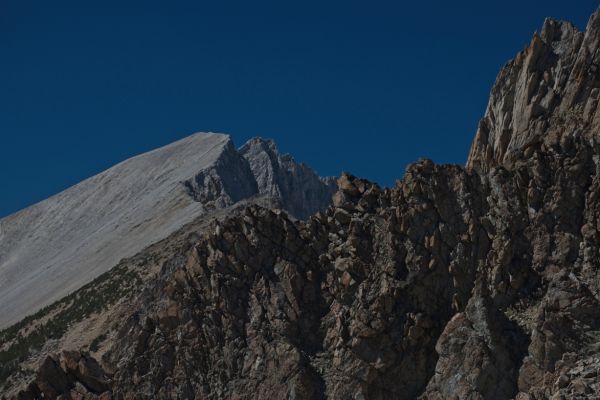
[298, 187]
[548, 91]
[54, 247]
[257, 141]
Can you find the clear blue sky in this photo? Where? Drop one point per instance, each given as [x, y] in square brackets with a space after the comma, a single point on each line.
[363, 86]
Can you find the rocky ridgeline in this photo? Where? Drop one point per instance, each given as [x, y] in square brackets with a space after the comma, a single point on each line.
[476, 283]
[258, 169]
[548, 92]
[446, 285]
[56, 246]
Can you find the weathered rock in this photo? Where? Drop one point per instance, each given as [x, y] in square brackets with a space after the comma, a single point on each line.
[298, 189]
[480, 351]
[546, 95]
[70, 376]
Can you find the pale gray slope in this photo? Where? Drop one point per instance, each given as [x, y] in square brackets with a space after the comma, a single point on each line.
[54, 247]
[57, 245]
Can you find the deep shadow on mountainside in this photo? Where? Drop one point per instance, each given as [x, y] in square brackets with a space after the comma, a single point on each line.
[469, 283]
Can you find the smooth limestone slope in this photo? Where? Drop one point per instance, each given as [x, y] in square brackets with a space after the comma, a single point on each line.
[57, 245]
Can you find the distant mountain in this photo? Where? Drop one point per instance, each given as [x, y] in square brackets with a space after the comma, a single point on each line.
[54, 247]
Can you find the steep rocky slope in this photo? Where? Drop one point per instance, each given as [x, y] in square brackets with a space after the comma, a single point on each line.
[468, 283]
[54, 247]
[548, 92]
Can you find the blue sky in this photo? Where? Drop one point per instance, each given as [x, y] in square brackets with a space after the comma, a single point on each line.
[360, 86]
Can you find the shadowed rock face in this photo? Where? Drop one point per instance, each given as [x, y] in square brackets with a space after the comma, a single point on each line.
[54, 247]
[476, 283]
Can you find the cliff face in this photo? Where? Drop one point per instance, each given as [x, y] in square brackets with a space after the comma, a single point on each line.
[549, 91]
[472, 283]
[299, 190]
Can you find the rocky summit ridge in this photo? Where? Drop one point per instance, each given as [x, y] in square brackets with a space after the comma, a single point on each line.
[54, 247]
[457, 283]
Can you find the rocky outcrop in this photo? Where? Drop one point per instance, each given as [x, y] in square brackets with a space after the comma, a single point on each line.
[268, 307]
[258, 169]
[479, 351]
[299, 190]
[547, 93]
[70, 376]
[564, 342]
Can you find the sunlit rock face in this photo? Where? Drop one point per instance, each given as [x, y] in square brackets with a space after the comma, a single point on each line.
[548, 93]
